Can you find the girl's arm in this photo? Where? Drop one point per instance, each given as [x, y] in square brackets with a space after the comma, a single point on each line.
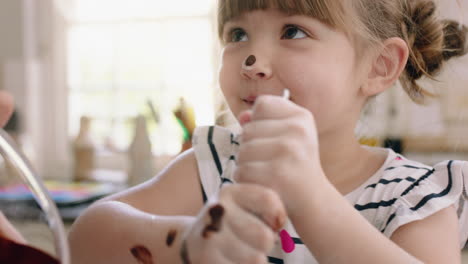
[433, 239]
[126, 226]
[336, 233]
[114, 232]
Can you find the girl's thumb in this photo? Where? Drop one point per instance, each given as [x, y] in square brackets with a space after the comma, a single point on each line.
[245, 117]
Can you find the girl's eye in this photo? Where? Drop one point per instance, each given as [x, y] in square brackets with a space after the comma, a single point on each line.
[238, 35]
[293, 32]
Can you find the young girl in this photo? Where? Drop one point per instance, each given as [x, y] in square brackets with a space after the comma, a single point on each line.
[304, 190]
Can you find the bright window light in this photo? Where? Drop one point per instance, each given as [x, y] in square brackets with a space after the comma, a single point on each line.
[122, 53]
[102, 10]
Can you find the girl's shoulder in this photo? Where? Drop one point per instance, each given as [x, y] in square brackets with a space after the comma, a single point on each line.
[403, 191]
[396, 174]
[400, 173]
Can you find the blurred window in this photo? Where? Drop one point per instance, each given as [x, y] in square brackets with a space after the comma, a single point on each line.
[122, 53]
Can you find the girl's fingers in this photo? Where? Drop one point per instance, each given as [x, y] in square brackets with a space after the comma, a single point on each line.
[219, 256]
[227, 245]
[264, 149]
[236, 226]
[251, 173]
[205, 239]
[245, 117]
[274, 107]
[261, 202]
[264, 129]
[238, 250]
[250, 230]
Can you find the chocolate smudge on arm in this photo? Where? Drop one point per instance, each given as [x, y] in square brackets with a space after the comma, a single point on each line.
[142, 254]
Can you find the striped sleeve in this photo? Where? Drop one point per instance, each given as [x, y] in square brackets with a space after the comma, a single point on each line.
[440, 188]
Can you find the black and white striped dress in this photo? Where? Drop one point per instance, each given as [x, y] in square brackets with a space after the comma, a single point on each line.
[400, 192]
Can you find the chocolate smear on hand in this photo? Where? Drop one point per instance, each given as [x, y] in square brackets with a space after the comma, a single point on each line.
[216, 214]
[171, 237]
[142, 254]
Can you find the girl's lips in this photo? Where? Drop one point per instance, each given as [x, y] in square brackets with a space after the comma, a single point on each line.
[250, 100]
[250, 103]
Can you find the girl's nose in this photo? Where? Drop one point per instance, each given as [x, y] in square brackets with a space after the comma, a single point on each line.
[254, 69]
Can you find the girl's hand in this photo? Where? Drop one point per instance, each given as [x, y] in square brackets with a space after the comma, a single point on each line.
[237, 226]
[279, 149]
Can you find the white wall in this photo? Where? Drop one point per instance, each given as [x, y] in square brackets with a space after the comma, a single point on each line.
[10, 29]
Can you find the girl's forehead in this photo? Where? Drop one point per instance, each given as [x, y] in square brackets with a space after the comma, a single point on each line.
[275, 12]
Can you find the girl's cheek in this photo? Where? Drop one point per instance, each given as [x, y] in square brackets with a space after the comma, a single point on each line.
[223, 81]
[229, 74]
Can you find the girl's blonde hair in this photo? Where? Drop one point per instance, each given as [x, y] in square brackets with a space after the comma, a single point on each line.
[431, 41]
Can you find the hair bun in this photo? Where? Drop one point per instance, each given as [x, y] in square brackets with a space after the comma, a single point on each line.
[425, 37]
[455, 39]
[431, 42]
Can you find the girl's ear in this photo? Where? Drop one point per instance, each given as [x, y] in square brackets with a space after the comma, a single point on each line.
[386, 66]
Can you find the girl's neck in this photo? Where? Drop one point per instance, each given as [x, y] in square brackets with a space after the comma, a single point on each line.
[345, 162]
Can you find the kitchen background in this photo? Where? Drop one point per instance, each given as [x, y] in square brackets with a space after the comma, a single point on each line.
[108, 91]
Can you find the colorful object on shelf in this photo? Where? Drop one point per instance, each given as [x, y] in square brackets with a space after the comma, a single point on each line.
[185, 131]
[62, 193]
[185, 116]
[372, 142]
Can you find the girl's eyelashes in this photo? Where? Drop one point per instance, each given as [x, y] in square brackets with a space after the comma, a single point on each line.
[293, 32]
[289, 32]
[237, 35]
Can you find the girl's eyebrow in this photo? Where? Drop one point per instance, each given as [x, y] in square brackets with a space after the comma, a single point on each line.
[303, 18]
[311, 23]
[233, 22]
